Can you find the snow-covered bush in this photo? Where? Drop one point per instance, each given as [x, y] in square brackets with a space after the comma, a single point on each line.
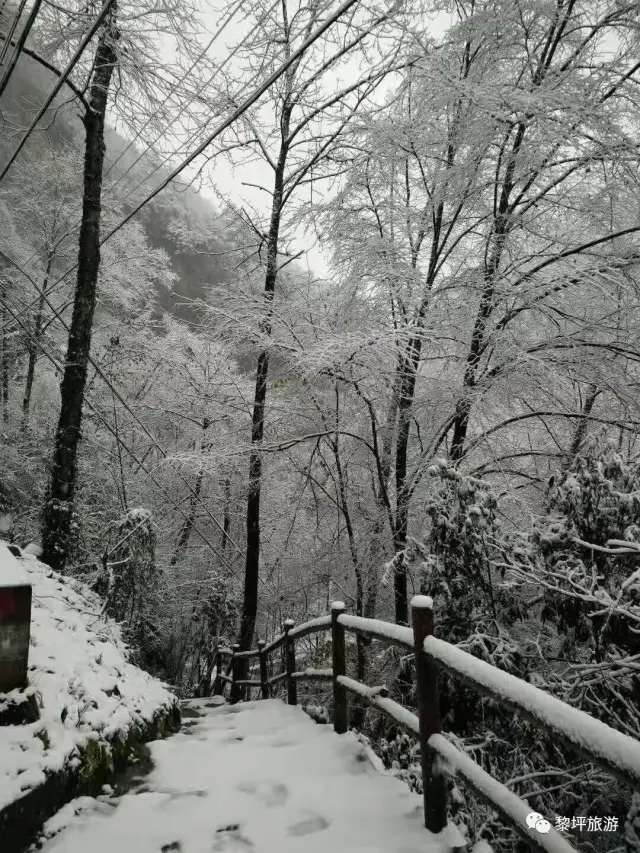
[592, 588]
[84, 685]
[458, 557]
[318, 714]
[632, 826]
[401, 755]
[510, 597]
[129, 582]
[207, 618]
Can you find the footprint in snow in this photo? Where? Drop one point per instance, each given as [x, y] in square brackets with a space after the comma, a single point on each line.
[315, 823]
[416, 813]
[215, 702]
[359, 764]
[268, 792]
[223, 710]
[229, 839]
[197, 792]
[280, 742]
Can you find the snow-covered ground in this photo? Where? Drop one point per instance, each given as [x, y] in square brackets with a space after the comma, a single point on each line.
[256, 776]
[79, 672]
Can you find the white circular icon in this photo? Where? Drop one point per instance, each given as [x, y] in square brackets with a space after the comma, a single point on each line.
[536, 821]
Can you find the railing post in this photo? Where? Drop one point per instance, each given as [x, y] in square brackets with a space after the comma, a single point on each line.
[235, 688]
[264, 686]
[339, 668]
[218, 683]
[290, 658]
[433, 782]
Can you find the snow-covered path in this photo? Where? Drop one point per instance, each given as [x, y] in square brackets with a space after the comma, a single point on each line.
[259, 776]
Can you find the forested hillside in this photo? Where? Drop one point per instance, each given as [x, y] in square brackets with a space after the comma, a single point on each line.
[451, 407]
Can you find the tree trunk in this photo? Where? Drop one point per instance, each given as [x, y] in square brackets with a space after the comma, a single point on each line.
[463, 406]
[402, 499]
[361, 642]
[194, 500]
[502, 227]
[250, 602]
[581, 427]
[187, 527]
[378, 551]
[57, 516]
[28, 386]
[252, 560]
[407, 384]
[408, 367]
[5, 360]
[226, 521]
[35, 340]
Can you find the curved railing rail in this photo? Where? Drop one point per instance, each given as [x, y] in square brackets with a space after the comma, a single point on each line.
[614, 752]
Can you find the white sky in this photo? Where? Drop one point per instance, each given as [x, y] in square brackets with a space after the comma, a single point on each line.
[230, 179]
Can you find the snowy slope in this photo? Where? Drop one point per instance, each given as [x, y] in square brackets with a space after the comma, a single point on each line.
[259, 776]
[12, 572]
[79, 672]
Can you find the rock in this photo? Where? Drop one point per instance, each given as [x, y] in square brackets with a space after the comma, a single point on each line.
[99, 764]
[19, 708]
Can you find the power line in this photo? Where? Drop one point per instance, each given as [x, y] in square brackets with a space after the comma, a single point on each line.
[12, 29]
[239, 111]
[248, 102]
[117, 437]
[148, 148]
[61, 81]
[123, 402]
[219, 68]
[172, 91]
[19, 44]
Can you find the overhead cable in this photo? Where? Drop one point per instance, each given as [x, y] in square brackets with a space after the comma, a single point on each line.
[19, 44]
[61, 81]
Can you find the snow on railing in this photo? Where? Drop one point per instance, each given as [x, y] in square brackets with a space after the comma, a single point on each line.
[322, 623]
[378, 629]
[617, 753]
[274, 644]
[378, 697]
[317, 674]
[512, 809]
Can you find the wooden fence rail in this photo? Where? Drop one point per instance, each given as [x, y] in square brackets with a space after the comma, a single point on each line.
[614, 752]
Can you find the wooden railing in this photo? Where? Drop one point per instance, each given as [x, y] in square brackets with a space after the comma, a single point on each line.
[616, 753]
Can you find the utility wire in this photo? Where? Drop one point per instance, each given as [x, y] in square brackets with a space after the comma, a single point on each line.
[12, 29]
[19, 45]
[61, 81]
[173, 154]
[238, 112]
[171, 92]
[123, 402]
[181, 147]
[113, 432]
[248, 102]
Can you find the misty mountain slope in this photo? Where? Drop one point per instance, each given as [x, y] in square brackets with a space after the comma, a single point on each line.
[127, 166]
